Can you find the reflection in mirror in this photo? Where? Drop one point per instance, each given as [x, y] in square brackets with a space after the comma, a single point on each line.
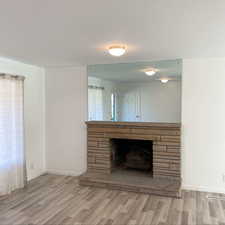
[142, 91]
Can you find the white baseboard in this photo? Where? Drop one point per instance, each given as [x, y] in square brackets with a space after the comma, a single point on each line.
[34, 174]
[204, 189]
[64, 172]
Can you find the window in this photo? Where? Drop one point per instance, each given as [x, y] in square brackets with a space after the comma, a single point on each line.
[113, 107]
[12, 154]
[95, 103]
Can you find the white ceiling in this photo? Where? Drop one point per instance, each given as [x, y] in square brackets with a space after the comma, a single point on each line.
[74, 32]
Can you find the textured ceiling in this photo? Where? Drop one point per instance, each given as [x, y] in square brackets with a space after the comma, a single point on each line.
[77, 32]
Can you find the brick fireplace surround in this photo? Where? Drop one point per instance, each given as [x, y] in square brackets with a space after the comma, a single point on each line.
[166, 175]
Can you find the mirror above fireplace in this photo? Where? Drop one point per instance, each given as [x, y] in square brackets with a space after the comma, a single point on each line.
[135, 92]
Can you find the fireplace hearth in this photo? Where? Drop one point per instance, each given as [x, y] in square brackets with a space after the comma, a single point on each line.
[134, 156]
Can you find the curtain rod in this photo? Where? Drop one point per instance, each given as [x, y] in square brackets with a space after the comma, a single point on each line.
[10, 76]
[95, 87]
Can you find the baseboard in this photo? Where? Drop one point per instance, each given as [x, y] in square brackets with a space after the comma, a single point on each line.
[35, 174]
[64, 172]
[204, 189]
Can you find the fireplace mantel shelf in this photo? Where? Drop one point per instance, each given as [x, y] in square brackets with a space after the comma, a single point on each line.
[134, 124]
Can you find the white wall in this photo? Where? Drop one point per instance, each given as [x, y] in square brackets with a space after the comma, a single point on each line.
[203, 124]
[66, 112]
[34, 110]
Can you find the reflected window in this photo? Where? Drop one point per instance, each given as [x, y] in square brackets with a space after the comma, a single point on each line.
[113, 107]
[95, 103]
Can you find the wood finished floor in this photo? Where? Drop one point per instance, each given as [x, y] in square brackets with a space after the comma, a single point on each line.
[59, 200]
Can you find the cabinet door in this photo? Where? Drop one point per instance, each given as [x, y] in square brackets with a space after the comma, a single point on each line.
[131, 106]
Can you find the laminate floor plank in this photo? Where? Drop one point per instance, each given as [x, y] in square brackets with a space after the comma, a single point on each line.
[59, 200]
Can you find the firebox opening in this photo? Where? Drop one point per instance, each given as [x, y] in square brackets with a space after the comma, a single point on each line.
[133, 155]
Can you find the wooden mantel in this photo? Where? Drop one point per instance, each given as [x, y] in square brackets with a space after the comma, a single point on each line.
[134, 124]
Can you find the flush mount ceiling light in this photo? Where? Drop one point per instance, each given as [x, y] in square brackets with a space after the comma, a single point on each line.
[117, 50]
[150, 72]
[164, 80]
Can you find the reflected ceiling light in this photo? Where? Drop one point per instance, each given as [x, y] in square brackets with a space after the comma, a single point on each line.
[150, 72]
[164, 80]
[117, 50]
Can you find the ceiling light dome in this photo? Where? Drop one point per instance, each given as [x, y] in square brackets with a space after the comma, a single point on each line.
[117, 50]
[164, 80]
[150, 72]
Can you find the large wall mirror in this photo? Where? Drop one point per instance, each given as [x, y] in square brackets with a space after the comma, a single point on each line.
[141, 92]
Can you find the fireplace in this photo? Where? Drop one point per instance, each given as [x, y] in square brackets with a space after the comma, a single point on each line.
[133, 155]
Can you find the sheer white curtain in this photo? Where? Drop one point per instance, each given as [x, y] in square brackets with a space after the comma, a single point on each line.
[12, 154]
[95, 103]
